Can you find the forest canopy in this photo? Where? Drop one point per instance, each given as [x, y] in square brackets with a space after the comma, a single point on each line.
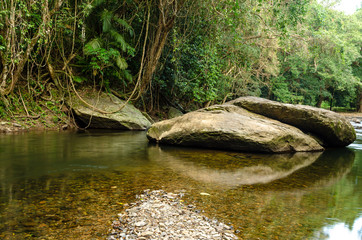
[182, 53]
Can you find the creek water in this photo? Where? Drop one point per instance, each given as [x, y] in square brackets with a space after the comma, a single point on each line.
[73, 184]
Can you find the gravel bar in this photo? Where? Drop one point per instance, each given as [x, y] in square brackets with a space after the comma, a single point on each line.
[161, 215]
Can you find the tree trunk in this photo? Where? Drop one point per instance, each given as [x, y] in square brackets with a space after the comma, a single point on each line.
[331, 103]
[320, 101]
[12, 70]
[168, 11]
[359, 99]
[154, 53]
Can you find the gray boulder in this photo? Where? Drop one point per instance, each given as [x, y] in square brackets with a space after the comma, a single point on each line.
[331, 128]
[128, 118]
[233, 128]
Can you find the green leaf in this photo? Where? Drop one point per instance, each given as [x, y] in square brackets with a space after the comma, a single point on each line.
[92, 46]
[119, 39]
[106, 18]
[97, 3]
[124, 24]
[121, 63]
[128, 76]
[79, 79]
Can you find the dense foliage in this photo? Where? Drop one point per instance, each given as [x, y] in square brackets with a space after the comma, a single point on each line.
[180, 52]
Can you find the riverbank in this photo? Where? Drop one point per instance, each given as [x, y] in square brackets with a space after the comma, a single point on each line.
[19, 126]
[352, 115]
[161, 215]
[37, 116]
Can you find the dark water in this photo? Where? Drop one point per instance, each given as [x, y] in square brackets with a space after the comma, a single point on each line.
[72, 185]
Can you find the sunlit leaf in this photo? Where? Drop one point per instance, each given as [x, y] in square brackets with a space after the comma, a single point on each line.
[79, 79]
[91, 46]
[121, 63]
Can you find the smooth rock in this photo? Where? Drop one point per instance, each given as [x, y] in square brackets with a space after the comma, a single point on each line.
[140, 224]
[128, 118]
[233, 128]
[330, 127]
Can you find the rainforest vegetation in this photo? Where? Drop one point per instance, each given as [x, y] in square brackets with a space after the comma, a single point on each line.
[182, 53]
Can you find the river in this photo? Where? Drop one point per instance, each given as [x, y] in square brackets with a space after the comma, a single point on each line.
[71, 185]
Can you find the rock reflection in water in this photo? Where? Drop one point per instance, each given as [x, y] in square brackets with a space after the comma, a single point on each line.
[232, 169]
[293, 207]
[331, 166]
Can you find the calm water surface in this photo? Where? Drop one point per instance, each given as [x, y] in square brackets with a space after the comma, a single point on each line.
[72, 185]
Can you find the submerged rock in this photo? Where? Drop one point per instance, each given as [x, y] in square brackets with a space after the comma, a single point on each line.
[331, 128]
[233, 128]
[128, 118]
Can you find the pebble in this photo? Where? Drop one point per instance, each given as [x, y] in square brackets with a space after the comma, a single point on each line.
[161, 215]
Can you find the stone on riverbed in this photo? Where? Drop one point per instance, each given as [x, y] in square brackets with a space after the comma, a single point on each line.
[128, 118]
[233, 128]
[332, 128]
[161, 215]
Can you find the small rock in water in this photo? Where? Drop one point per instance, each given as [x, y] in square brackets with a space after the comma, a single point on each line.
[140, 224]
[204, 194]
[161, 215]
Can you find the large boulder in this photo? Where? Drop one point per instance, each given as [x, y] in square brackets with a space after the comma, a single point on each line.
[331, 128]
[101, 112]
[233, 128]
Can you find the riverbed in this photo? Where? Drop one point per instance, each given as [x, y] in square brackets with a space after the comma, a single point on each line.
[68, 185]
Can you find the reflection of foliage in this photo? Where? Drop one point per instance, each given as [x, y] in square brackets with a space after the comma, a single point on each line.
[347, 196]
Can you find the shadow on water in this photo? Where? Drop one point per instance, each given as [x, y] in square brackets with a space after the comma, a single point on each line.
[71, 185]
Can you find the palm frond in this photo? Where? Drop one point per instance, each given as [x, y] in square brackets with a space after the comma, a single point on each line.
[97, 3]
[124, 24]
[106, 18]
[92, 46]
[127, 75]
[119, 40]
[121, 63]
